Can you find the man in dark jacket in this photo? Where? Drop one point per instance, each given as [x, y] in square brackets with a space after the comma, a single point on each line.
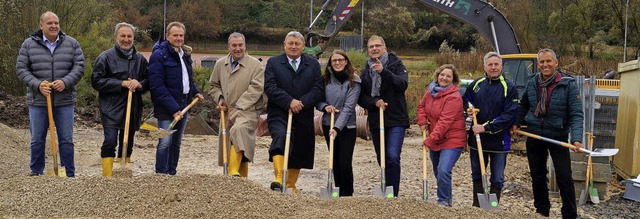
[497, 100]
[551, 107]
[292, 82]
[48, 56]
[384, 81]
[117, 71]
[172, 89]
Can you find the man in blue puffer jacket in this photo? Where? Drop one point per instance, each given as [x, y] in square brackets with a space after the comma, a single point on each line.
[551, 107]
[49, 55]
[172, 89]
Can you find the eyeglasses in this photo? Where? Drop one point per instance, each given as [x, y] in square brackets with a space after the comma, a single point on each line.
[376, 45]
[338, 61]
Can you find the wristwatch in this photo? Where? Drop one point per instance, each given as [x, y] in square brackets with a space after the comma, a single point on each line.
[238, 107]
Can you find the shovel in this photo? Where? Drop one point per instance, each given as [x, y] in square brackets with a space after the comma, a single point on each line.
[161, 133]
[487, 201]
[382, 191]
[285, 166]
[593, 192]
[125, 141]
[425, 193]
[330, 191]
[600, 152]
[52, 131]
[583, 193]
[223, 124]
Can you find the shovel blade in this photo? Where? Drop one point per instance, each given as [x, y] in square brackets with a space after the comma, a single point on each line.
[380, 191]
[61, 172]
[488, 201]
[583, 197]
[287, 190]
[593, 194]
[604, 152]
[159, 133]
[329, 193]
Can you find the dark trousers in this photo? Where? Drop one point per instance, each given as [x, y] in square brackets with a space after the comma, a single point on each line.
[113, 137]
[343, 146]
[537, 153]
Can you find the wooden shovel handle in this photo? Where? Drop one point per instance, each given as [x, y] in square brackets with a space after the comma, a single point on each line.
[125, 141]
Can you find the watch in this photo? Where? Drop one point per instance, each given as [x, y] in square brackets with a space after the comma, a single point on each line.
[238, 107]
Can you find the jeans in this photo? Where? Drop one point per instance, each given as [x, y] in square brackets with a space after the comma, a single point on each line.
[537, 153]
[343, 146]
[113, 137]
[443, 162]
[394, 138]
[168, 151]
[39, 126]
[496, 161]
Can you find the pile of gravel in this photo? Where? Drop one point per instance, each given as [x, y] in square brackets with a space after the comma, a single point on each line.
[197, 196]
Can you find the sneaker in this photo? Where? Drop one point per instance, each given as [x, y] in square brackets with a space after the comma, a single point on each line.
[35, 174]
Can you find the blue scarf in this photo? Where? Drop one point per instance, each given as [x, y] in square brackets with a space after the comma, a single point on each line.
[434, 88]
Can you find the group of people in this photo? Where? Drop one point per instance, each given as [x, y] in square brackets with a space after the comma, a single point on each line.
[550, 106]
[51, 63]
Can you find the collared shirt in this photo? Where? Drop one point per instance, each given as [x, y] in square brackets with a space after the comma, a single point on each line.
[234, 63]
[185, 74]
[297, 62]
[50, 45]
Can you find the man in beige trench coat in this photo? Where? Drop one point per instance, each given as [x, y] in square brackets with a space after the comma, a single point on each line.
[237, 82]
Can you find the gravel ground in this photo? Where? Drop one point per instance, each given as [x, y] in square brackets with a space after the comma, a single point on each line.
[200, 191]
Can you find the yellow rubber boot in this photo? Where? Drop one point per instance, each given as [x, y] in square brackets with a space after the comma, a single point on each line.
[292, 178]
[244, 169]
[107, 167]
[278, 162]
[234, 161]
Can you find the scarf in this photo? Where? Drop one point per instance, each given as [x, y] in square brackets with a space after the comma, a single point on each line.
[376, 80]
[341, 75]
[434, 88]
[543, 98]
[128, 53]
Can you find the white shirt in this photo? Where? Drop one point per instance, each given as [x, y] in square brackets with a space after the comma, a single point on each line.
[297, 62]
[185, 74]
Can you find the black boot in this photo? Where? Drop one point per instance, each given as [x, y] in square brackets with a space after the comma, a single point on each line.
[494, 190]
[477, 188]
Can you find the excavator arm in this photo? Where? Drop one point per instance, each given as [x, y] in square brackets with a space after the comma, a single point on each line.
[341, 13]
[486, 19]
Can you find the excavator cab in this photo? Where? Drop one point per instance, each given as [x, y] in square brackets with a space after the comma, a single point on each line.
[519, 67]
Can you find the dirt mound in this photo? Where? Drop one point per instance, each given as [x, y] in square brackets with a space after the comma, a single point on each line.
[15, 152]
[196, 196]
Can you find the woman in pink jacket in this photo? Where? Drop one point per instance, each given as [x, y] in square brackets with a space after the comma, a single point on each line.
[440, 113]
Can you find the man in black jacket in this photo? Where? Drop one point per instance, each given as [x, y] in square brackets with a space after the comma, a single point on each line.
[384, 81]
[116, 72]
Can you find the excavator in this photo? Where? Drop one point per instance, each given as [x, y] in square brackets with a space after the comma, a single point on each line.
[486, 19]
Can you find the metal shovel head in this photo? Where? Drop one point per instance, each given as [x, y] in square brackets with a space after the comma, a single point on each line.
[287, 190]
[593, 194]
[329, 193]
[604, 152]
[387, 192]
[61, 172]
[583, 197]
[159, 133]
[487, 201]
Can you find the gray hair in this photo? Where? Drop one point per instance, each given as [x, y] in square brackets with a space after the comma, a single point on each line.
[236, 35]
[178, 24]
[46, 14]
[376, 37]
[123, 24]
[295, 34]
[489, 55]
[549, 51]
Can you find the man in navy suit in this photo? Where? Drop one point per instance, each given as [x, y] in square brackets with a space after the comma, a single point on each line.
[293, 82]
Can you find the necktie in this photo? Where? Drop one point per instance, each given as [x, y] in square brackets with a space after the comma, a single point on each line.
[234, 64]
[293, 64]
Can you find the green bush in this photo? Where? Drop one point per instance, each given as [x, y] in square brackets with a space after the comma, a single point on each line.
[201, 76]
